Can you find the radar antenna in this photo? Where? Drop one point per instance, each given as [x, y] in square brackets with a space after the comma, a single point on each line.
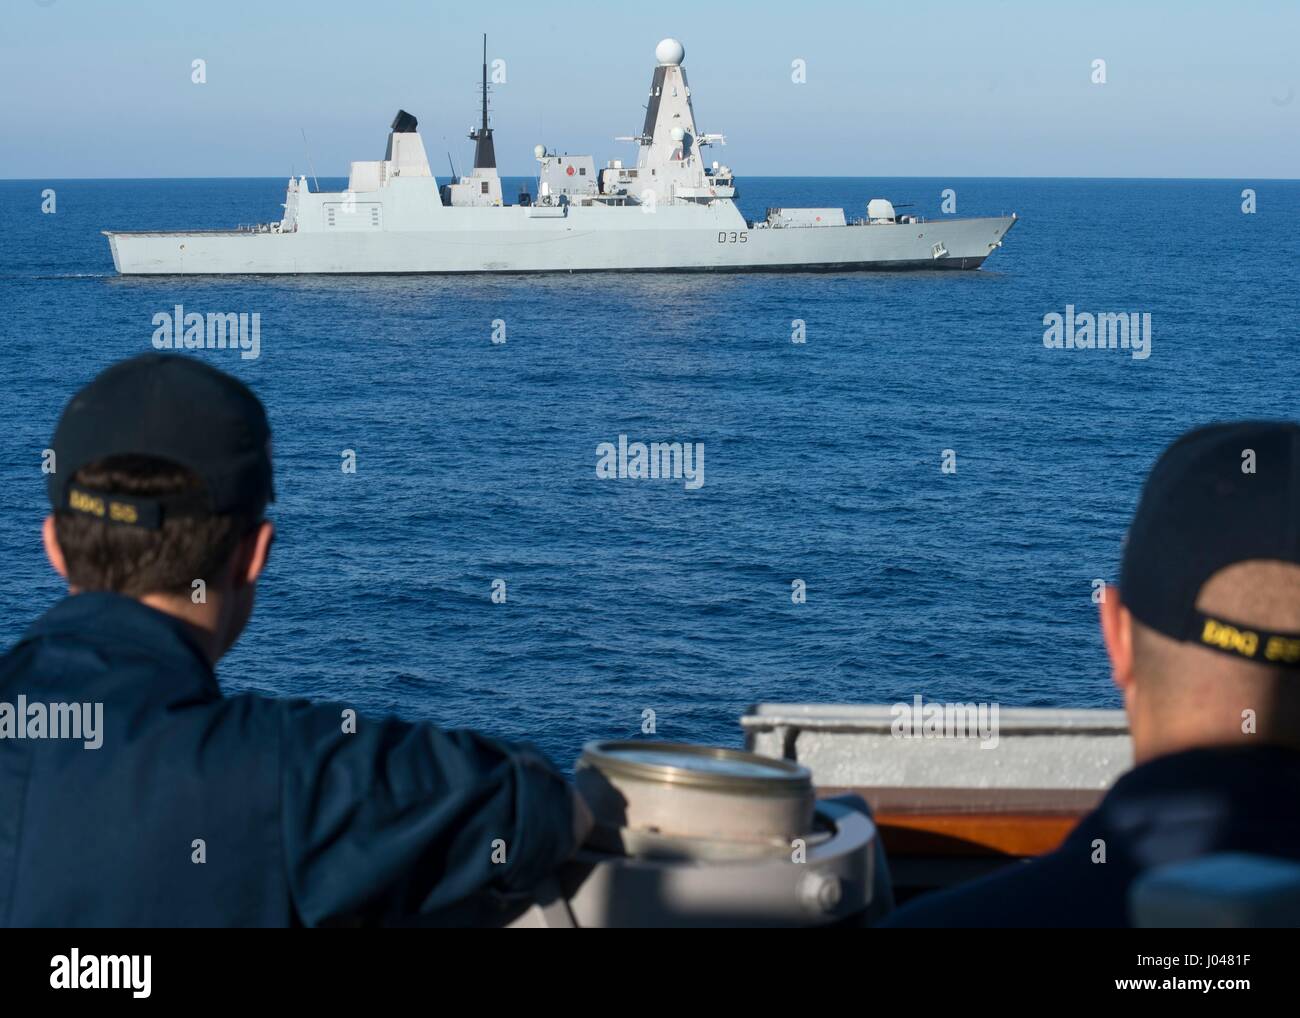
[309, 163]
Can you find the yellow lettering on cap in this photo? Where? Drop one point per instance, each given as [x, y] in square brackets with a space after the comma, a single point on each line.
[85, 503]
[1281, 648]
[1218, 634]
[123, 512]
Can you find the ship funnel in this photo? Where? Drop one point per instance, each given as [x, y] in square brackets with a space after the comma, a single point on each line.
[405, 150]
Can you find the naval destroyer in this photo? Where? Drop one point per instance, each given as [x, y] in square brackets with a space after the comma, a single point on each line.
[670, 210]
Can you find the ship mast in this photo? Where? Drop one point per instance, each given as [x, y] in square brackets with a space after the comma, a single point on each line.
[485, 157]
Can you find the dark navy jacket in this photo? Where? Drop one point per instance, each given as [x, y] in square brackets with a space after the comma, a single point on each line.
[1170, 809]
[301, 823]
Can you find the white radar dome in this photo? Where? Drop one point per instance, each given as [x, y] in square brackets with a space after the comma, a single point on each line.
[670, 52]
[677, 133]
[539, 151]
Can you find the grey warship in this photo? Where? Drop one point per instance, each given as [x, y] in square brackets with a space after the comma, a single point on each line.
[671, 210]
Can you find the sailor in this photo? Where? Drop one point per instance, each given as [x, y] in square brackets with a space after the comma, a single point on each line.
[192, 808]
[1203, 636]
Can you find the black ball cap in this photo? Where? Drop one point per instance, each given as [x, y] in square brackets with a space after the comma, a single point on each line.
[1220, 495]
[174, 408]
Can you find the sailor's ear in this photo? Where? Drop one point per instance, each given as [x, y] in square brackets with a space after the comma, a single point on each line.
[1117, 634]
[253, 553]
[52, 550]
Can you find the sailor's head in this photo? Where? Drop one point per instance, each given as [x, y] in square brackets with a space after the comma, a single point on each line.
[1203, 632]
[161, 473]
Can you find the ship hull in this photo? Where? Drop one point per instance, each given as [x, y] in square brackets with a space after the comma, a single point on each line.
[519, 239]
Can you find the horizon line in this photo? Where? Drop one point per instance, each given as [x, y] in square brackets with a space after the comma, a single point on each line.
[750, 176]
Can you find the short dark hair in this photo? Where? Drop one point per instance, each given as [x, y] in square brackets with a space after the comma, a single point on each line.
[129, 560]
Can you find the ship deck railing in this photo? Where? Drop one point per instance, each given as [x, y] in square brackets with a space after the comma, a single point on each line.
[240, 230]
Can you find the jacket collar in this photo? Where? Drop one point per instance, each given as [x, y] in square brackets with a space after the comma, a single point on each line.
[1201, 800]
[108, 620]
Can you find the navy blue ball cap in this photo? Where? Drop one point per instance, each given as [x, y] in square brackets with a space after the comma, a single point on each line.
[174, 408]
[1219, 495]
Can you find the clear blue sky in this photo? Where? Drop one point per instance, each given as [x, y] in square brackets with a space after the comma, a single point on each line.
[924, 87]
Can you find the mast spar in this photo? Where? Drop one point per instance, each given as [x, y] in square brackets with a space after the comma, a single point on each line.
[485, 157]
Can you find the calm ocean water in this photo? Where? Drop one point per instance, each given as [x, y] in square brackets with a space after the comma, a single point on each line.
[476, 462]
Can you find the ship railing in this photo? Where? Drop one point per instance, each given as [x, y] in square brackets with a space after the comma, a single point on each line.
[909, 218]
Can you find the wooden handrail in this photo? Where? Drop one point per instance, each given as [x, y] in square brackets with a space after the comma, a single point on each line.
[976, 822]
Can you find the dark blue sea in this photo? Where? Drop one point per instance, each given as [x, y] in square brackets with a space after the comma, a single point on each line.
[476, 461]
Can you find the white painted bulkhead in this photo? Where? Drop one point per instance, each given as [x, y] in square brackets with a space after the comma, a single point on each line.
[405, 228]
[585, 239]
